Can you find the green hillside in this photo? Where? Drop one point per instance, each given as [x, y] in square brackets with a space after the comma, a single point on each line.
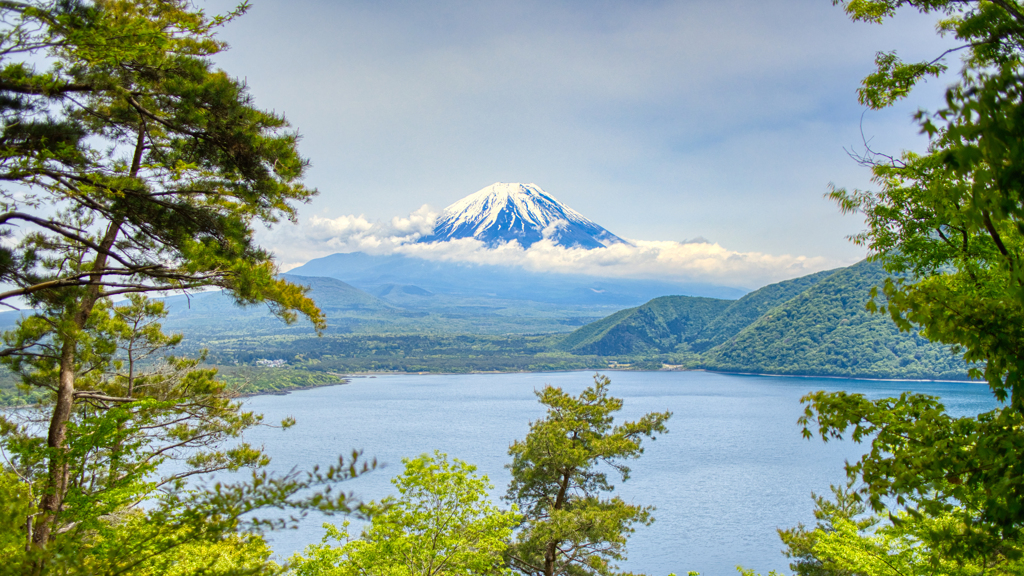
[664, 324]
[826, 330]
[745, 311]
[659, 326]
[814, 325]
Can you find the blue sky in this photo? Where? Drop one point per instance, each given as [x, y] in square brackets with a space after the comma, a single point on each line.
[661, 121]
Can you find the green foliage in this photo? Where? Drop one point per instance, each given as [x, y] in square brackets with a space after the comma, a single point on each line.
[133, 414]
[440, 523]
[935, 465]
[802, 544]
[659, 326]
[15, 506]
[134, 166]
[908, 544]
[234, 555]
[829, 330]
[558, 477]
[951, 221]
[139, 166]
[948, 224]
[988, 33]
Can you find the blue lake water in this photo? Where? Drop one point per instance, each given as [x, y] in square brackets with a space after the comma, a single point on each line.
[732, 469]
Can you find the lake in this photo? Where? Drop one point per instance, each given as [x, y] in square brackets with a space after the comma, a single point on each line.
[732, 469]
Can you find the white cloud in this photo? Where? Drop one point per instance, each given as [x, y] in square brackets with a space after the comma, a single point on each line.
[317, 237]
[694, 260]
[721, 118]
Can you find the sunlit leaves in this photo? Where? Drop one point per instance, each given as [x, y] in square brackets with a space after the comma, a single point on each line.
[440, 523]
[559, 475]
[949, 224]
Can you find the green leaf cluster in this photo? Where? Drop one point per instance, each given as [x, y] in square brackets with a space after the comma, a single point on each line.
[802, 543]
[948, 224]
[559, 475]
[441, 523]
[121, 508]
[906, 543]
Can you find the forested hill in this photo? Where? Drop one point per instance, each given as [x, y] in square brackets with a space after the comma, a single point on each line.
[826, 330]
[680, 323]
[743, 312]
[658, 326]
[815, 325]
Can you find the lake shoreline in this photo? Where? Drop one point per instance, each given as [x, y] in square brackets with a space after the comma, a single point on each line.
[347, 377]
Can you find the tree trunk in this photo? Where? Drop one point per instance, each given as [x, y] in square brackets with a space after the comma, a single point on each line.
[549, 559]
[57, 477]
[551, 550]
[52, 500]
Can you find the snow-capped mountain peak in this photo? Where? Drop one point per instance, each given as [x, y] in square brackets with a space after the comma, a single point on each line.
[503, 212]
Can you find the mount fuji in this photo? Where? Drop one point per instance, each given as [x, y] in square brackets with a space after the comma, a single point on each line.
[502, 212]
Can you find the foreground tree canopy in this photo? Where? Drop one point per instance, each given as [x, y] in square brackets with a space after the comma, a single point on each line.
[441, 522]
[130, 165]
[559, 472]
[949, 225]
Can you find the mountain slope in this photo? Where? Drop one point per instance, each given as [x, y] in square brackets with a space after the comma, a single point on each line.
[743, 312]
[814, 325]
[659, 326]
[333, 294]
[826, 330]
[521, 213]
[662, 324]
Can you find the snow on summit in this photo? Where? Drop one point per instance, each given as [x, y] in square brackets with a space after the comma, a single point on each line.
[503, 212]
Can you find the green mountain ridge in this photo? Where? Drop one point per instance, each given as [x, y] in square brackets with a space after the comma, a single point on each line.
[681, 323]
[659, 326]
[827, 330]
[745, 311]
[816, 325]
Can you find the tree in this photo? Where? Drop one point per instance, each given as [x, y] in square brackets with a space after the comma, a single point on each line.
[135, 414]
[567, 527]
[441, 523]
[802, 544]
[130, 166]
[949, 225]
[908, 546]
